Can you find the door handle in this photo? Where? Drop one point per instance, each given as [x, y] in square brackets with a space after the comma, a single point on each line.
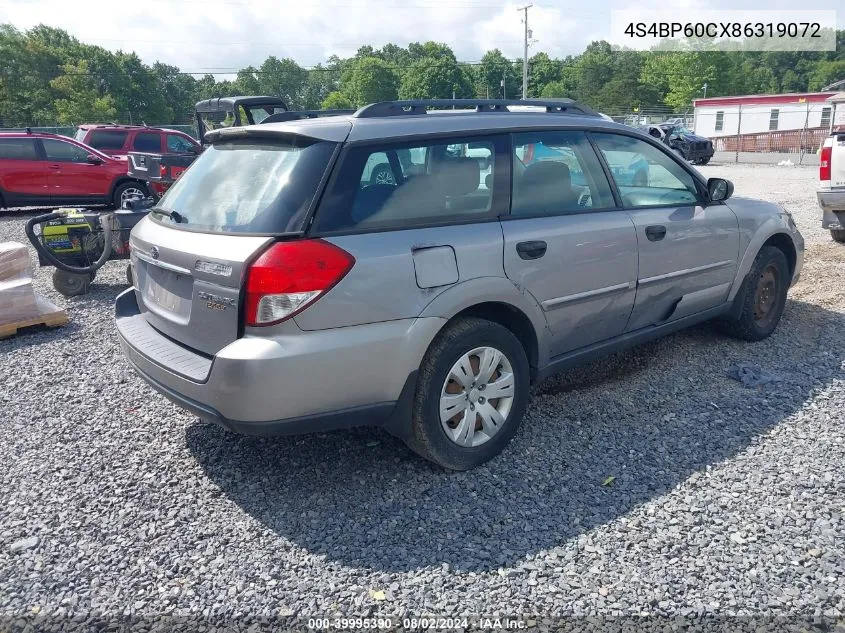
[55, 166]
[531, 250]
[655, 233]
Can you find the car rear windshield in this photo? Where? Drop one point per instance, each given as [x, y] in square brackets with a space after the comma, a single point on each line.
[249, 186]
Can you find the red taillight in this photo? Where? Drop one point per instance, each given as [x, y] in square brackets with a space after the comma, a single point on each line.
[290, 276]
[824, 163]
[162, 170]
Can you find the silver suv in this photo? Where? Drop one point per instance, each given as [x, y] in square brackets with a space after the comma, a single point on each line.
[281, 288]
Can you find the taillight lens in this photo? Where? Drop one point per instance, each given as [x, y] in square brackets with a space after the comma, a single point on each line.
[162, 170]
[290, 276]
[824, 163]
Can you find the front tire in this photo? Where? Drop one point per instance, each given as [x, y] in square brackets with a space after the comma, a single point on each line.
[763, 297]
[128, 190]
[703, 161]
[456, 423]
[838, 235]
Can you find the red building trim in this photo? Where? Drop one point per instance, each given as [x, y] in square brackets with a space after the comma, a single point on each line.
[797, 97]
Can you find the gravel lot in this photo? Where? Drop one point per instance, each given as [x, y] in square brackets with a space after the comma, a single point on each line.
[728, 501]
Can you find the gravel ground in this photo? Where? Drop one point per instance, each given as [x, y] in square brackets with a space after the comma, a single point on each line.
[727, 502]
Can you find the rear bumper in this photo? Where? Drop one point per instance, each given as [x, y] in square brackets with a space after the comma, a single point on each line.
[294, 383]
[831, 201]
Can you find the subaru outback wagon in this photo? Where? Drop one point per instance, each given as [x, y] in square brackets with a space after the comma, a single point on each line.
[280, 288]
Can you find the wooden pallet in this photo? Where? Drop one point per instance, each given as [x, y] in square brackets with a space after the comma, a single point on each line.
[49, 315]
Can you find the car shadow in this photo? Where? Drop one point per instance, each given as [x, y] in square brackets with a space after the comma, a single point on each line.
[650, 417]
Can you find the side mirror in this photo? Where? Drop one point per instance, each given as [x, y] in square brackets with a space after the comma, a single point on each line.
[91, 159]
[719, 189]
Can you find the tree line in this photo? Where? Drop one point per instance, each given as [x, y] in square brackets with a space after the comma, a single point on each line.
[48, 76]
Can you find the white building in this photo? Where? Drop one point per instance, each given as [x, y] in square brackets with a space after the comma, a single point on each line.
[761, 114]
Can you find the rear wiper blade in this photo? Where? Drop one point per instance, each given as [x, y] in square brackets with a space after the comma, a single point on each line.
[173, 215]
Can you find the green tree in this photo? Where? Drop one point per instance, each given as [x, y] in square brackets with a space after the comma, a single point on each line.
[679, 76]
[542, 70]
[283, 78]
[494, 68]
[430, 78]
[555, 89]
[826, 72]
[337, 101]
[79, 100]
[369, 80]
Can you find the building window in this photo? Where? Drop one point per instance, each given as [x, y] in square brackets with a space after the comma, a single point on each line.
[720, 121]
[773, 119]
[825, 117]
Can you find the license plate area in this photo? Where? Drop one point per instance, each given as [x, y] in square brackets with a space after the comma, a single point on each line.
[167, 293]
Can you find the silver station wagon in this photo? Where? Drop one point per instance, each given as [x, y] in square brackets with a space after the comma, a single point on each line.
[418, 264]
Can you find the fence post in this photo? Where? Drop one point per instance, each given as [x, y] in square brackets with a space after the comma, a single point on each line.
[738, 136]
[803, 138]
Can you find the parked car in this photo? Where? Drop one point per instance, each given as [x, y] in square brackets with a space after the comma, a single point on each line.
[119, 140]
[831, 193]
[39, 169]
[684, 142]
[277, 290]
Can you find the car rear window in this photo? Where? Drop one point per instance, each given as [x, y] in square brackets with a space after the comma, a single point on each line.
[17, 149]
[107, 139]
[250, 186]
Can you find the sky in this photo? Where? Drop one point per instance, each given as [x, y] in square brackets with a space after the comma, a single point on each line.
[224, 35]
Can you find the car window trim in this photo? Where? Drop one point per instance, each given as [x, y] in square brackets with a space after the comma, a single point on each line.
[617, 206]
[701, 186]
[387, 144]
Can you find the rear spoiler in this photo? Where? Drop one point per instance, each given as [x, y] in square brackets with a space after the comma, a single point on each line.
[336, 133]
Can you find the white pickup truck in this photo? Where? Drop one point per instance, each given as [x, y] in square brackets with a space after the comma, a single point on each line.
[831, 191]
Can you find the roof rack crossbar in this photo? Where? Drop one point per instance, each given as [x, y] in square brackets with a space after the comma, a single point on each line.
[421, 106]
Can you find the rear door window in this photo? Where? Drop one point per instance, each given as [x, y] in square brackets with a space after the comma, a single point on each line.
[107, 139]
[415, 184]
[147, 142]
[250, 186]
[17, 149]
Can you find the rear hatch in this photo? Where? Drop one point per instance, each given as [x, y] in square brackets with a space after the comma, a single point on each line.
[191, 254]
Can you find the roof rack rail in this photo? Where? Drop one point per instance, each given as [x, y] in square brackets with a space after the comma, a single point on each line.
[421, 106]
[293, 115]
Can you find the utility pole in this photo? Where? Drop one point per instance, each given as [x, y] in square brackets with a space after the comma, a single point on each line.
[705, 89]
[525, 50]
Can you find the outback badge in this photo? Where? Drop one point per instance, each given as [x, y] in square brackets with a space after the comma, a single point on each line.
[216, 302]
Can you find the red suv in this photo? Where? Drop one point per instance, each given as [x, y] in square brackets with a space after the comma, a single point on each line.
[118, 140]
[38, 169]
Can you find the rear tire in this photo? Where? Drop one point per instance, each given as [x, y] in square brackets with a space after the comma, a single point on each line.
[480, 427]
[129, 275]
[703, 161]
[838, 235]
[71, 284]
[763, 297]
